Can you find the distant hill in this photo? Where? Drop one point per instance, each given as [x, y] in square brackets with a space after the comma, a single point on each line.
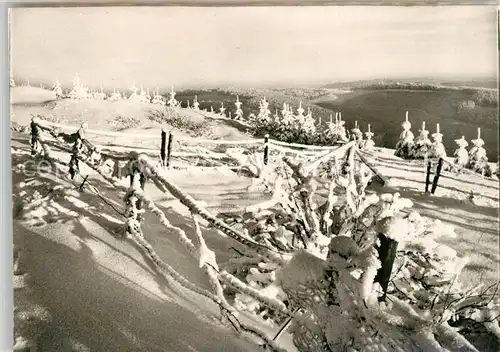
[430, 83]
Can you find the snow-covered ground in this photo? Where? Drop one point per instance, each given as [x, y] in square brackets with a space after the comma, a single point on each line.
[80, 287]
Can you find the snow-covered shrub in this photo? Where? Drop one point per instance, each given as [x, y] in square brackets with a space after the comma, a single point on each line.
[292, 220]
[123, 122]
[335, 277]
[168, 115]
[340, 297]
[405, 145]
[423, 145]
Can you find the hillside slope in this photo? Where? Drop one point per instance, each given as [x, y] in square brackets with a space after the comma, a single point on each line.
[79, 286]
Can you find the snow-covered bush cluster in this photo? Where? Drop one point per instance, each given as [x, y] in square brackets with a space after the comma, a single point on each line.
[422, 147]
[347, 293]
[80, 91]
[300, 127]
[123, 122]
[292, 219]
[170, 116]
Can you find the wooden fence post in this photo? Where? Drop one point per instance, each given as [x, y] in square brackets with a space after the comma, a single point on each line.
[428, 177]
[73, 163]
[436, 176]
[163, 146]
[35, 132]
[83, 183]
[266, 149]
[387, 254]
[169, 147]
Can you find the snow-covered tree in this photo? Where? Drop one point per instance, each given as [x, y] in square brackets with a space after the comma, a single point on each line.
[79, 91]
[172, 102]
[158, 99]
[196, 105]
[264, 115]
[143, 96]
[438, 150]
[222, 109]
[288, 117]
[478, 161]
[238, 115]
[57, 88]
[115, 96]
[368, 143]
[405, 145]
[309, 125]
[423, 145]
[134, 96]
[342, 132]
[461, 154]
[100, 95]
[356, 134]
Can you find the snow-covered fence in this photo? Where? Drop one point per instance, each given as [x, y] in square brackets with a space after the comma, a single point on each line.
[140, 168]
[209, 152]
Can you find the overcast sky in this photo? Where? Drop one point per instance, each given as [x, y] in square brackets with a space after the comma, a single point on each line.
[252, 46]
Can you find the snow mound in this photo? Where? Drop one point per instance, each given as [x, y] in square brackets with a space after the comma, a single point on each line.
[31, 95]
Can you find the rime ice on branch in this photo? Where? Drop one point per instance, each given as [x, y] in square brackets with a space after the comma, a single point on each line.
[478, 161]
[423, 144]
[438, 150]
[461, 154]
[405, 145]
